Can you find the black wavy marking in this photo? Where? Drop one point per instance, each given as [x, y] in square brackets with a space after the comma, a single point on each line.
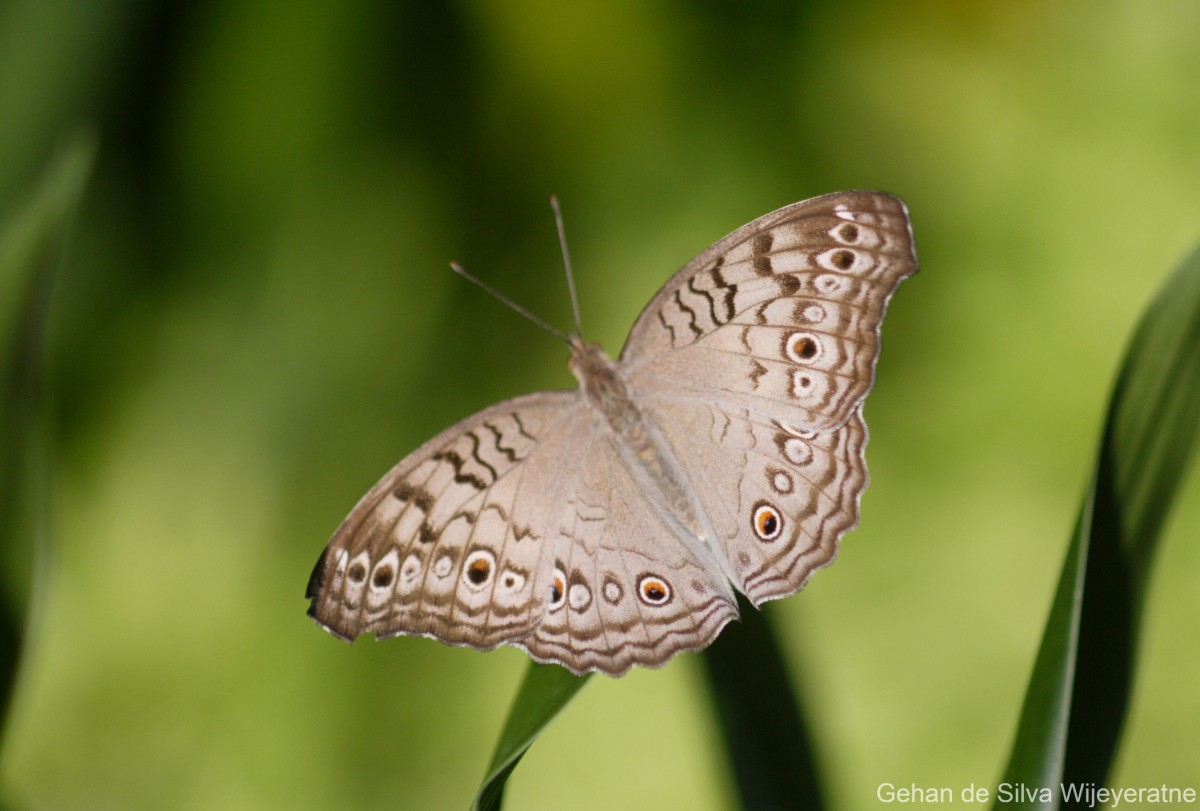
[726, 299]
[691, 314]
[521, 427]
[730, 291]
[670, 328]
[509, 453]
[459, 462]
[519, 532]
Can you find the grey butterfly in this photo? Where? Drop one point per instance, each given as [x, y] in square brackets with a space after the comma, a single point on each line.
[608, 526]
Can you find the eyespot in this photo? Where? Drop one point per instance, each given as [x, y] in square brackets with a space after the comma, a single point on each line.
[384, 574]
[842, 260]
[767, 522]
[512, 581]
[802, 386]
[613, 591]
[579, 597]
[558, 589]
[654, 590]
[803, 347]
[797, 451]
[410, 570]
[443, 565]
[781, 481]
[831, 284]
[812, 313]
[478, 569]
[848, 233]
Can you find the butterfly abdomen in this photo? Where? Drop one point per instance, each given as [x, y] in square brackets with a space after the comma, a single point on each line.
[646, 453]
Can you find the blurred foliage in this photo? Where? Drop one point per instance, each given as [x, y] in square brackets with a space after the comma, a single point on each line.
[31, 242]
[254, 320]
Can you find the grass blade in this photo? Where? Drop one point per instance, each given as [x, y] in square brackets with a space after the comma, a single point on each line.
[766, 737]
[31, 240]
[1079, 692]
[544, 692]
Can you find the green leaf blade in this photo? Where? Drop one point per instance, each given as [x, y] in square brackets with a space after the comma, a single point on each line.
[544, 692]
[32, 237]
[1079, 692]
[766, 735]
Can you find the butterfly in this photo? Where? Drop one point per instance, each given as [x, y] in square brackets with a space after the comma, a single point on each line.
[609, 526]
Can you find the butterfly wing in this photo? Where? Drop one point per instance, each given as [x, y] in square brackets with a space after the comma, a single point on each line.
[521, 525]
[754, 361]
[780, 498]
[456, 541]
[631, 589]
[782, 316]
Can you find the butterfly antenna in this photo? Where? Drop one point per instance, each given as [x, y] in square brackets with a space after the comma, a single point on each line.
[503, 299]
[562, 241]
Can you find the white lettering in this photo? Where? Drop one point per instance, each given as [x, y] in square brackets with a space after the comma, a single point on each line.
[1021, 793]
[912, 793]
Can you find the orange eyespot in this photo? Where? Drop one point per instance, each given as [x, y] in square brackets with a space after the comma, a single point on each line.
[558, 589]
[479, 567]
[802, 347]
[768, 523]
[478, 571]
[654, 590]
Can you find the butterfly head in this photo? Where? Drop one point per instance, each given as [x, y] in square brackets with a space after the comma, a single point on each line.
[597, 375]
[589, 361]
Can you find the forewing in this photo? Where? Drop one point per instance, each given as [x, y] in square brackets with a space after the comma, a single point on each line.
[782, 316]
[456, 541]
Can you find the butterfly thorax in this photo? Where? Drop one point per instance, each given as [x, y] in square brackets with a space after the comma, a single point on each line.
[642, 446]
[605, 391]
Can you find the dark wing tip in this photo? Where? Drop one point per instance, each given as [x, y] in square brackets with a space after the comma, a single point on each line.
[317, 578]
[316, 583]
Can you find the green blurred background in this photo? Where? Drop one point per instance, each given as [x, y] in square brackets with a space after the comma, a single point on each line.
[254, 320]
